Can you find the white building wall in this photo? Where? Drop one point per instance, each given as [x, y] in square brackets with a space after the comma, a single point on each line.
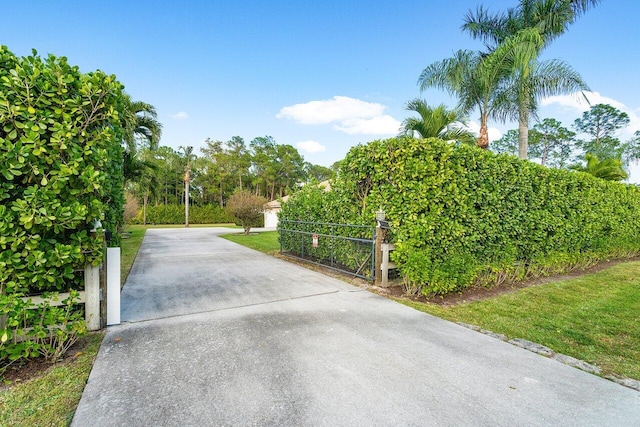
[271, 219]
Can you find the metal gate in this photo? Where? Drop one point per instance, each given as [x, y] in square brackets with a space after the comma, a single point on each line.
[343, 247]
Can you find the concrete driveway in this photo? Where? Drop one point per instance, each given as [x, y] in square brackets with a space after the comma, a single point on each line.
[216, 334]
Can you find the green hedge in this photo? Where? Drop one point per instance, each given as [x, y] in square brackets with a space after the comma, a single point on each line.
[174, 214]
[464, 216]
[60, 168]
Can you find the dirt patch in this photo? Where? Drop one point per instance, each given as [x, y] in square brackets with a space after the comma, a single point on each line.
[36, 367]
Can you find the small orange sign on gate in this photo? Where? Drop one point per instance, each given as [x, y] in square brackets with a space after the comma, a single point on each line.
[314, 240]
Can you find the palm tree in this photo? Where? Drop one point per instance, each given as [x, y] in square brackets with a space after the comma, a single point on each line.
[473, 80]
[509, 35]
[550, 17]
[141, 124]
[141, 128]
[609, 169]
[438, 122]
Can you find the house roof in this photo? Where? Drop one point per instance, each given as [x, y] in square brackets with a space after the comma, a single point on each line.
[275, 204]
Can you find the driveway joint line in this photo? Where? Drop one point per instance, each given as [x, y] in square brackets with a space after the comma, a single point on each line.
[235, 307]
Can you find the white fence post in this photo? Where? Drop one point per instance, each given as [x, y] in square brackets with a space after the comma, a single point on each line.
[113, 286]
[92, 297]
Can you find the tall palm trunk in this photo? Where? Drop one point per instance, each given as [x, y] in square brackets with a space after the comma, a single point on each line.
[483, 138]
[221, 195]
[523, 126]
[145, 200]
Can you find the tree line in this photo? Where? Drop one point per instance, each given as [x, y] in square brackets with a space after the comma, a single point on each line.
[592, 144]
[262, 167]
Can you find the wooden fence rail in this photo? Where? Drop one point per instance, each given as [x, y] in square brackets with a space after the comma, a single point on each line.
[90, 297]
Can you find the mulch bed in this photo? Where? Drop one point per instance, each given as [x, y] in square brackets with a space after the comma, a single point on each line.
[35, 367]
[479, 293]
[395, 289]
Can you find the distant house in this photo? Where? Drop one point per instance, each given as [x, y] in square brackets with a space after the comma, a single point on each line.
[272, 208]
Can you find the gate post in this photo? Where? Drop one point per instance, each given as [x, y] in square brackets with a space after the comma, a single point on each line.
[378, 256]
[381, 231]
[92, 297]
[113, 286]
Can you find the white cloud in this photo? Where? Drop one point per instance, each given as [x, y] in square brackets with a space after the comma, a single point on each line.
[180, 115]
[379, 125]
[349, 115]
[311, 146]
[578, 104]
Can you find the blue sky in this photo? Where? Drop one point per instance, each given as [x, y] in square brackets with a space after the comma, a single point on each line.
[320, 75]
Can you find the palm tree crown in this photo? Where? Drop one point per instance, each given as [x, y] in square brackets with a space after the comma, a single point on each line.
[438, 122]
[610, 169]
[474, 80]
[519, 35]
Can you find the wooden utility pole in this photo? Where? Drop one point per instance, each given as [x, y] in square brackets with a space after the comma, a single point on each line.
[186, 197]
[187, 177]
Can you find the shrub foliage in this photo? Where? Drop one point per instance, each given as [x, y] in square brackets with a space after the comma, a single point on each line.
[463, 216]
[60, 168]
[247, 208]
[174, 214]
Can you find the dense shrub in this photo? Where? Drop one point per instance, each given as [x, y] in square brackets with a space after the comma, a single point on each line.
[464, 216]
[247, 208]
[174, 214]
[60, 168]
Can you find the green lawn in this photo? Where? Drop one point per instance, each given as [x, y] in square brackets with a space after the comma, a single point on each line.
[129, 249]
[52, 398]
[595, 318]
[266, 241]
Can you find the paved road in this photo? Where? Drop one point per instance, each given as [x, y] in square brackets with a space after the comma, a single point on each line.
[219, 335]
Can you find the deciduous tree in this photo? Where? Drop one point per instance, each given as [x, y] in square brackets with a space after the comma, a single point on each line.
[247, 208]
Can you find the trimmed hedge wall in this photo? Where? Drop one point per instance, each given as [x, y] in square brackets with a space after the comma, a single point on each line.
[463, 216]
[174, 214]
[60, 168]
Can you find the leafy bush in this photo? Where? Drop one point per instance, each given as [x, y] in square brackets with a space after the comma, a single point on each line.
[174, 214]
[464, 216]
[60, 168]
[247, 208]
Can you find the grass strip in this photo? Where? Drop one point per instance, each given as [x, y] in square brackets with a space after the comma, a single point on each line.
[595, 318]
[266, 241]
[129, 249]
